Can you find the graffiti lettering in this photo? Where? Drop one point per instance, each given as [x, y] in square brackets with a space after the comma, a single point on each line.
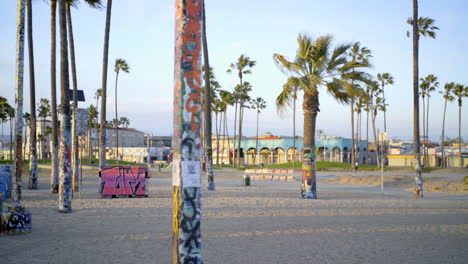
[123, 181]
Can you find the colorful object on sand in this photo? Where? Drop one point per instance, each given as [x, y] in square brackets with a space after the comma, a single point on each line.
[123, 181]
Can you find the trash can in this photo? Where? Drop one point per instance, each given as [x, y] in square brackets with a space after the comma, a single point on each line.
[246, 180]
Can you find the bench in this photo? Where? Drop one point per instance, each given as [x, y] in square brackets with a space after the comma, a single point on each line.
[123, 181]
[269, 174]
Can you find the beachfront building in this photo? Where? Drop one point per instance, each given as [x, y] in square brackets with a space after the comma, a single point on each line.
[271, 149]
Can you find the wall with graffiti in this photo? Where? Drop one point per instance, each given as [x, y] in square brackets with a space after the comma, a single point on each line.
[5, 183]
[15, 222]
[123, 181]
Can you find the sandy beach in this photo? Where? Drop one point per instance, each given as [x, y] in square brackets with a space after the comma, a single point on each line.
[263, 223]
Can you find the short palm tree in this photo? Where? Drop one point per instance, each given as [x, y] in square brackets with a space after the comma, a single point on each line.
[448, 97]
[384, 79]
[258, 104]
[242, 66]
[93, 114]
[421, 26]
[460, 91]
[316, 65]
[120, 65]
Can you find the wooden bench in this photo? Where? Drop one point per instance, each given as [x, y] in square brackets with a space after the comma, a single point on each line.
[270, 175]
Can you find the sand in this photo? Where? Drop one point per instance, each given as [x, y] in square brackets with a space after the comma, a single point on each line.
[263, 223]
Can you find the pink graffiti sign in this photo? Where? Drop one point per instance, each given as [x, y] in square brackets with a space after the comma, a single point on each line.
[123, 181]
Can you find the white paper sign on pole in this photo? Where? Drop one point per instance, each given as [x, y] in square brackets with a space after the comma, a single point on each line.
[176, 172]
[191, 174]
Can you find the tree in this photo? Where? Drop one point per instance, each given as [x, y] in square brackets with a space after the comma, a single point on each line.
[375, 104]
[242, 66]
[26, 120]
[64, 194]
[362, 55]
[421, 26]
[447, 95]
[43, 113]
[258, 104]
[316, 65]
[75, 148]
[93, 114]
[18, 164]
[53, 90]
[102, 132]
[384, 79]
[226, 99]
[243, 96]
[460, 91]
[120, 65]
[283, 100]
[428, 85]
[6, 112]
[32, 102]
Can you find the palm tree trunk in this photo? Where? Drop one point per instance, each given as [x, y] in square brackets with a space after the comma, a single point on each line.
[224, 136]
[64, 196]
[375, 140]
[294, 130]
[75, 151]
[311, 108]
[102, 133]
[234, 156]
[442, 163]
[241, 116]
[207, 113]
[256, 139]
[218, 136]
[18, 163]
[116, 122]
[385, 110]
[424, 131]
[32, 90]
[459, 132]
[353, 150]
[417, 156]
[427, 129]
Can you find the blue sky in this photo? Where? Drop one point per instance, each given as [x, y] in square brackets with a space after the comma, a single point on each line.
[142, 32]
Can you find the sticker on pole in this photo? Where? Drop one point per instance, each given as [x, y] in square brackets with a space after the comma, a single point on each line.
[191, 173]
[176, 172]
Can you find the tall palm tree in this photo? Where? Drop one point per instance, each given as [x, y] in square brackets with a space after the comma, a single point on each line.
[64, 194]
[18, 164]
[120, 65]
[75, 158]
[102, 132]
[460, 91]
[428, 85]
[359, 54]
[243, 98]
[207, 109]
[243, 67]
[316, 65]
[226, 99]
[384, 79]
[53, 99]
[43, 113]
[32, 101]
[421, 26]
[447, 95]
[258, 104]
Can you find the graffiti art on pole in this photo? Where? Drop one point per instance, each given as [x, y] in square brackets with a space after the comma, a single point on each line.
[309, 184]
[64, 197]
[18, 165]
[187, 139]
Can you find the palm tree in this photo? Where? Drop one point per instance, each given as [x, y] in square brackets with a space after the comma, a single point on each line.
[93, 114]
[244, 97]
[32, 101]
[428, 85]
[283, 100]
[120, 65]
[4, 114]
[362, 55]
[26, 120]
[43, 113]
[421, 26]
[95, 4]
[375, 104]
[242, 66]
[226, 99]
[447, 95]
[102, 132]
[18, 164]
[384, 79]
[460, 91]
[64, 196]
[258, 104]
[97, 95]
[53, 91]
[315, 66]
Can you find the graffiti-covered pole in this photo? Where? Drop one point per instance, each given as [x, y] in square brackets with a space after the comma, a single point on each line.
[18, 165]
[186, 240]
[64, 197]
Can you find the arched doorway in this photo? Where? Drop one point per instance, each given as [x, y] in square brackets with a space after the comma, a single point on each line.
[265, 156]
[251, 156]
[279, 156]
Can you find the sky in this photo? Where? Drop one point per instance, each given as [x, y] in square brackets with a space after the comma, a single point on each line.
[142, 33]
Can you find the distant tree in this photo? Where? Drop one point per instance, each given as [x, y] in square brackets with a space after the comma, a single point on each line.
[120, 65]
[428, 85]
[447, 95]
[460, 91]
[384, 79]
[43, 112]
[258, 104]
